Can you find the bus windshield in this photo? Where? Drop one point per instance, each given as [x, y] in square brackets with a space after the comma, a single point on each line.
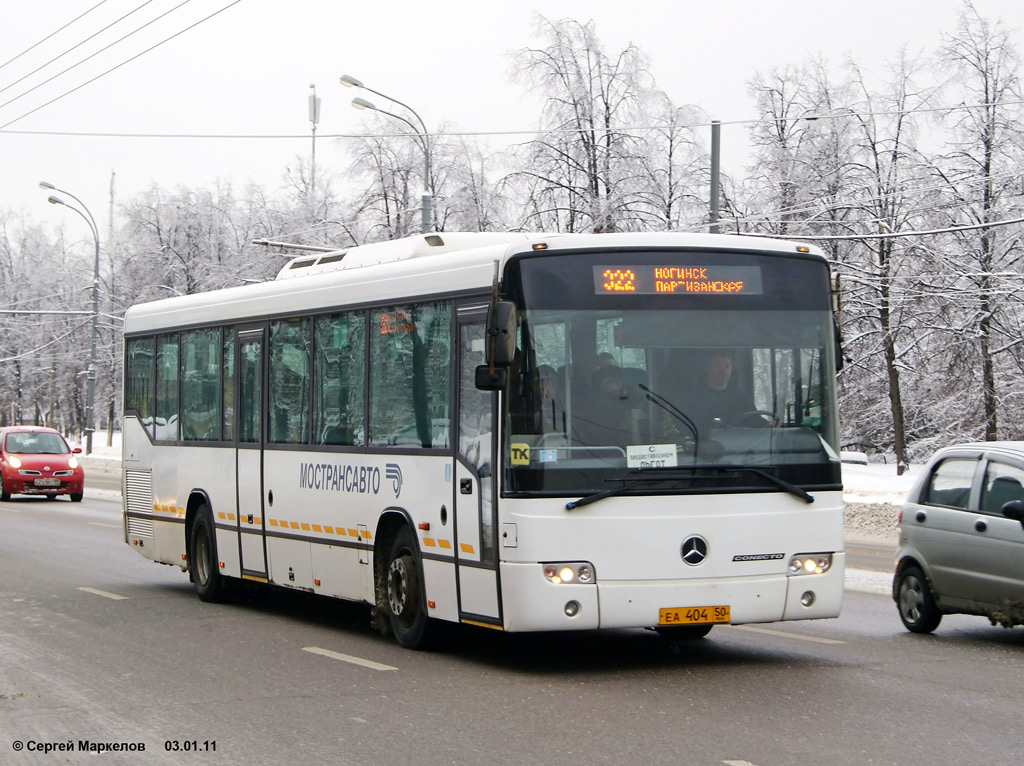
[689, 362]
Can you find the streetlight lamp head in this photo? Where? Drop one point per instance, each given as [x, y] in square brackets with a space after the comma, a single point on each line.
[349, 81]
[44, 185]
[55, 200]
[362, 103]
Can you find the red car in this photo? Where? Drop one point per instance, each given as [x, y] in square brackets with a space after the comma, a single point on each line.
[37, 461]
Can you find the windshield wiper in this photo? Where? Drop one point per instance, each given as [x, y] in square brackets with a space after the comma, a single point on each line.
[602, 494]
[674, 411]
[633, 481]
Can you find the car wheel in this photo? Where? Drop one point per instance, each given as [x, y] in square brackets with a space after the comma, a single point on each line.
[915, 603]
[4, 494]
[404, 594]
[206, 577]
[76, 497]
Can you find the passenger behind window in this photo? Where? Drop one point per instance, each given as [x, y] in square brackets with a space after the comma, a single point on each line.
[604, 417]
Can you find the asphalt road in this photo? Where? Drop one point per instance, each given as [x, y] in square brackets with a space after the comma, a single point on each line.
[100, 645]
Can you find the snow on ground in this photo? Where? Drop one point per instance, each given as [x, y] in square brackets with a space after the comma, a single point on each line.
[877, 483]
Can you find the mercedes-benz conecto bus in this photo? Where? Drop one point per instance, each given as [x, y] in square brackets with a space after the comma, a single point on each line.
[522, 432]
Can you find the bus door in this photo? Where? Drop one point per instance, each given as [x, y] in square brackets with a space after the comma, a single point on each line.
[249, 453]
[475, 509]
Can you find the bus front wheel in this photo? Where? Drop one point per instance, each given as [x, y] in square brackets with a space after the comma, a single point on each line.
[206, 578]
[404, 593]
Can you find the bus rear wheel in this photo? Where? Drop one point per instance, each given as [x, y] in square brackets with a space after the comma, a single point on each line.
[404, 593]
[203, 565]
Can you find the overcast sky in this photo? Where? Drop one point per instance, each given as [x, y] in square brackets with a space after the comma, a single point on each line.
[247, 71]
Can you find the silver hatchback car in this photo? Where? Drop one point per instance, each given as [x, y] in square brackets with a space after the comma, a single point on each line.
[961, 538]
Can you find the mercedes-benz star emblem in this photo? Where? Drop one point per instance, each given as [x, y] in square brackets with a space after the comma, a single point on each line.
[694, 550]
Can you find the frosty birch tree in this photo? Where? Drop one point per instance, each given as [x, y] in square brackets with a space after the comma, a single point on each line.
[982, 170]
[580, 175]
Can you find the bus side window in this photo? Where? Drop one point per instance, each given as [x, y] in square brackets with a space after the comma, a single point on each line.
[338, 379]
[410, 369]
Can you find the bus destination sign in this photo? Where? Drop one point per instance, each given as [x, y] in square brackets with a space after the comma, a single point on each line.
[690, 279]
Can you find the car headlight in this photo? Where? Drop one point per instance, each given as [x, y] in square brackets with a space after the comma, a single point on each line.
[73, 462]
[570, 572]
[15, 463]
[810, 563]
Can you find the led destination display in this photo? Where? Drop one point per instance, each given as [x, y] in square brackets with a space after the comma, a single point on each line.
[690, 279]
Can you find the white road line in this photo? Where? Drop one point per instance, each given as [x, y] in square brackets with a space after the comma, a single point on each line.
[105, 594]
[738, 763]
[348, 658]
[784, 634]
[101, 524]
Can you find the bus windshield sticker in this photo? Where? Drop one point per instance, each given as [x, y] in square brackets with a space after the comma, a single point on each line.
[520, 453]
[651, 456]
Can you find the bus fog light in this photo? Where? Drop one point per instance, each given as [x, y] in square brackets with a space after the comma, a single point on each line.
[570, 572]
[572, 608]
[807, 599]
[810, 563]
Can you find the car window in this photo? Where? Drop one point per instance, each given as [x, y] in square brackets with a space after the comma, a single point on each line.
[35, 444]
[1003, 483]
[950, 483]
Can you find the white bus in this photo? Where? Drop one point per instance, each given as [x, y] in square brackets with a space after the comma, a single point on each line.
[522, 432]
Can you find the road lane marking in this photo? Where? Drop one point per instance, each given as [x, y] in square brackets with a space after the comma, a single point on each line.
[348, 658]
[105, 594]
[101, 524]
[784, 634]
[738, 763]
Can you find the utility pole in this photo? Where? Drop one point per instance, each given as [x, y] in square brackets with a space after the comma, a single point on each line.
[716, 142]
[314, 118]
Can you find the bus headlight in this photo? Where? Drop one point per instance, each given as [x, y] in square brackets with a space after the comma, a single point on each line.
[579, 571]
[810, 563]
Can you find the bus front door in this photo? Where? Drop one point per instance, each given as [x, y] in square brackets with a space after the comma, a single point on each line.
[249, 455]
[475, 551]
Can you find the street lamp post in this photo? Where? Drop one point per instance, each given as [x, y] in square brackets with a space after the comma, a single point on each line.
[90, 405]
[348, 81]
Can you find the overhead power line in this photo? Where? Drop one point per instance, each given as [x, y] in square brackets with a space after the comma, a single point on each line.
[466, 133]
[118, 66]
[72, 48]
[36, 45]
[894, 234]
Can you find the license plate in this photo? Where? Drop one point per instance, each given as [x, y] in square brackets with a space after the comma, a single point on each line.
[47, 482]
[693, 615]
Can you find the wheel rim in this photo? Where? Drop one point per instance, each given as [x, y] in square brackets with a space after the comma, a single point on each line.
[202, 556]
[398, 586]
[911, 599]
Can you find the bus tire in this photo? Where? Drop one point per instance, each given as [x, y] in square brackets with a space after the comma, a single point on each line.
[404, 593]
[202, 557]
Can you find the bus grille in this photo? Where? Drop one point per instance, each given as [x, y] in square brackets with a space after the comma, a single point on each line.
[140, 527]
[138, 492]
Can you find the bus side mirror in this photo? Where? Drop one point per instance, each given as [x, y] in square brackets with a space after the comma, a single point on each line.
[501, 330]
[491, 381]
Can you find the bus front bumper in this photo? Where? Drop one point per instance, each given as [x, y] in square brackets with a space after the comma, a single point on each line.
[532, 603]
